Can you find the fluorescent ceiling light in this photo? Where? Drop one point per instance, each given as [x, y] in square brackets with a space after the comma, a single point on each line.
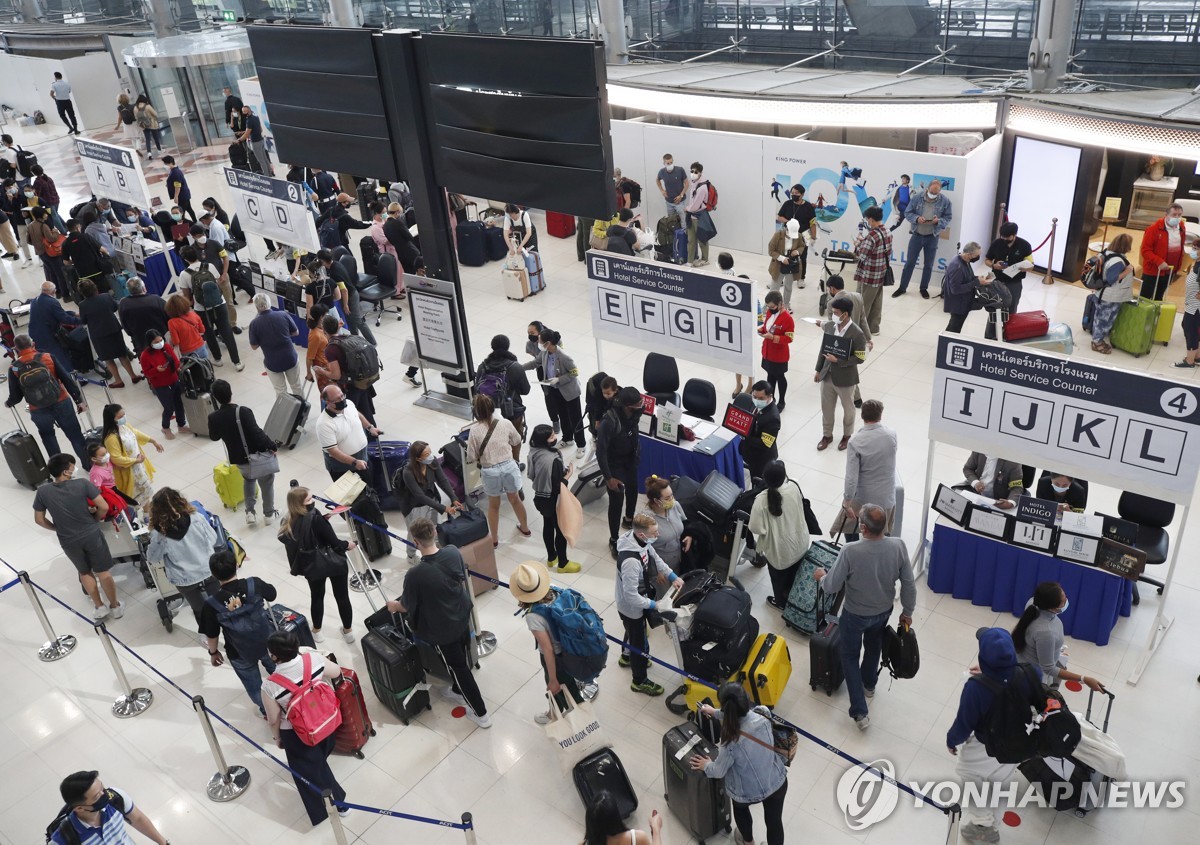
[1099, 131]
[974, 114]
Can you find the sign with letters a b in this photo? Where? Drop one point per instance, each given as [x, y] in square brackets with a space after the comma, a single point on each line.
[273, 208]
[1122, 429]
[114, 173]
[664, 308]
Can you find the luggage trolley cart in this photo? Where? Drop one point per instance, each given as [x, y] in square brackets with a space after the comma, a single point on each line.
[127, 544]
[838, 262]
[168, 594]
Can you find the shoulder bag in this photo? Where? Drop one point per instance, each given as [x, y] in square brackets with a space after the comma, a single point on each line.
[258, 464]
[313, 560]
[786, 740]
[473, 469]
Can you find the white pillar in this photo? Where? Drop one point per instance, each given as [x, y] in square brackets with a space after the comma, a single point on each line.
[342, 13]
[1051, 44]
[612, 18]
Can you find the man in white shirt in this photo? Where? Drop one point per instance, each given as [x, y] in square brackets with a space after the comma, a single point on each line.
[216, 229]
[996, 478]
[60, 91]
[342, 435]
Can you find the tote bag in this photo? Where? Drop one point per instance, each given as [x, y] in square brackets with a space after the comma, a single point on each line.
[570, 515]
[576, 731]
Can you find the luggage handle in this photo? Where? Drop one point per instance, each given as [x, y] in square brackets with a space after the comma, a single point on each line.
[17, 417]
[1107, 713]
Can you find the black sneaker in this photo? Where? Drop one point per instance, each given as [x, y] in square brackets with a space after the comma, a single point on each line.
[626, 522]
[612, 548]
[237, 329]
[1184, 365]
[924, 294]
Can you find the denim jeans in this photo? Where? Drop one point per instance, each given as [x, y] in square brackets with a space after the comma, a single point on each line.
[861, 634]
[926, 245]
[248, 674]
[63, 415]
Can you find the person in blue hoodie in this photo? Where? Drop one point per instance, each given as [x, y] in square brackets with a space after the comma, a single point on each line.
[965, 739]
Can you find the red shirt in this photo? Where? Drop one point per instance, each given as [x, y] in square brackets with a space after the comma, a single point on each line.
[783, 327]
[1157, 256]
[187, 332]
[153, 358]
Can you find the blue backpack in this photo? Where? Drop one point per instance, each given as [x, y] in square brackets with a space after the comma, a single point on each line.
[247, 626]
[580, 632]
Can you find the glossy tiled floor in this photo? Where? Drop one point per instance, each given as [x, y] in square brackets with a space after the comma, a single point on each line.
[54, 718]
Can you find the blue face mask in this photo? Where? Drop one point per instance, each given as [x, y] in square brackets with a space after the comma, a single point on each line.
[1063, 609]
[123, 421]
[761, 403]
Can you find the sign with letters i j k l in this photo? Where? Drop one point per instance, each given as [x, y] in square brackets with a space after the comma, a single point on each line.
[1126, 430]
[273, 208]
[664, 308]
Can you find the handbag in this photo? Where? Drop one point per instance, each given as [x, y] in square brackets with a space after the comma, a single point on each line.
[570, 514]
[317, 561]
[258, 464]
[473, 469]
[889, 278]
[786, 740]
[576, 731]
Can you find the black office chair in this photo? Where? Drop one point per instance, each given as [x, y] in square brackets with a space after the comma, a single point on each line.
[744, 402]
[700, 398]
[660, 375]
[383, 290]
[346, 258]
[1152, 517]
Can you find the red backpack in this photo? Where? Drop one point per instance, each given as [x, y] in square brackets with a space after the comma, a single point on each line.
[313, 709]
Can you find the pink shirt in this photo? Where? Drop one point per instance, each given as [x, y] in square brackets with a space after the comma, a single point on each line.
[102, 475]
[698, 196]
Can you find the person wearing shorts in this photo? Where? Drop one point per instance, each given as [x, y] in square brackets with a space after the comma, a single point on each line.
[76, 509]
[494, 444]
[1191, 309]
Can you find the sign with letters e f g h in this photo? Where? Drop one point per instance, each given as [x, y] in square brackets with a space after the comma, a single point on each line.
[1122, 429]
[664, 308]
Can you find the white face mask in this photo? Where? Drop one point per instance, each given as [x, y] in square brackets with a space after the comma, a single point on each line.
[669, 167]
[1058, 489]
[158, 345]
[931, 195]
[102, 461]
[202, 240]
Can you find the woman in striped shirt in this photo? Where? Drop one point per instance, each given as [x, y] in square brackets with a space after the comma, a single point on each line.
[1191, 308]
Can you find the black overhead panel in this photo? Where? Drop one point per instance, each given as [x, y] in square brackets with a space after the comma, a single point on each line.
[504, 127]
[322, 93]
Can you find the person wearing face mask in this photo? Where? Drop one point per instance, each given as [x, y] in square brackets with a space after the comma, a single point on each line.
[562, 381]
[132, 470]
[339, 212]
[95, 813]
[342, 432]
[618, 447]
[177, 188]
[672, 183]
[532, 347]
[797, 208]
[1038, 637]
[101, 474]
[141, 220]
[700, 227]
[1117, 273]
[160, 366]
[670, 517]
[44, 239]
[98, 311]
[1005, 251]
[519, 231]
[502, 377]
[1191, 308]
[548, 474]
[12, 204]
[759, 446]
[639, 569]
[928, 215]
[418, 484]
[1162, 252]
[215, 254]
[873, 255]
[787, 251]
[1057, 487]
[236, 427]
[958, 287]
[303, 528]
[776, 331]
[838, 376]
[140, 312]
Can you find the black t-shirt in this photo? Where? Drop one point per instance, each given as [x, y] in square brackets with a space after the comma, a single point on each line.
[1013, 253]
[803, 211]
[435, 597]
[233, 107]
[210, 627]
[322, 290]
[251, 122]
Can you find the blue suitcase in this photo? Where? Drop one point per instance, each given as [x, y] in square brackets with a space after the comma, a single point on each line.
[496, 248]
[679, 249]
[471, 239]
[537, 276]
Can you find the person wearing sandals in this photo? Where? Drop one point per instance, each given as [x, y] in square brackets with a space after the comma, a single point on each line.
[495, 445]
[547, 473]
[1117, 273]
[417, 485]
[753, 770]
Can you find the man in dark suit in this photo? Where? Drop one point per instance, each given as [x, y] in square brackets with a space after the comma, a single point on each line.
[837, 372]
[140, 312]
[995, 478]
[759, 447]
[46, 317]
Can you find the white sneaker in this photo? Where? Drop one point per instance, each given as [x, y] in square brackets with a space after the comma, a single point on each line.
[28, 262]
[100, 612]
[348, 635]
[449, 694]
[217, 362]
[580, 453]
[118, 611]
[318, 637]
[344, 811]
[411, 381]
[484, 721]
[251, 518]
[543, 718]
[239, 366]
[863, 722]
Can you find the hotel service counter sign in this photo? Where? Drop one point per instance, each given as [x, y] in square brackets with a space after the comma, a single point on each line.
[702, 317]
[1127, 430]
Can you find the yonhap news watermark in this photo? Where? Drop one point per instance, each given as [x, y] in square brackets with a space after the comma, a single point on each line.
[870, 795]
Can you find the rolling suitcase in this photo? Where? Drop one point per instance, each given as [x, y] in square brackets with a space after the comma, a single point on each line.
[1133, 330]
[805, 601]
[480, 557]
[1025, 325]
[228, 480]
[464, 529]
[288, 416]
[469, 238]
[198, 406]
[288, 620]
[1089, 311]
[394, 668]
[825, 657]
[386, 463]
[603, 772]
[516, 283]
[1166, 322]
[375, 543]
[356, 728]
[588, 484]
[679, 247]
[536, 273]
[1058, 338]
[767, 670]
[700, 802]
[560, 225]
[715, 498]
[493, 241]
[24, 456]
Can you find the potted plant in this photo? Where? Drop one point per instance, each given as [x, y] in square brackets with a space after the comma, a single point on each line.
[1159, 166]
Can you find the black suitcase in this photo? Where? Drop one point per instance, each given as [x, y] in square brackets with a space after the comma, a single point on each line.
[723, 632]
[825, 657]
[471, 238]
[286, 619]
[496, 248]
[375, 543]
[588, 485]
[461, 531]
[700, 802]
[24, 456]
[367, 193]
[715, 499]
[603, 772]
[240, 279]
[394, 667]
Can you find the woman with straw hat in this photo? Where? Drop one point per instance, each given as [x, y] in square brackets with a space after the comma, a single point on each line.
[530, 586]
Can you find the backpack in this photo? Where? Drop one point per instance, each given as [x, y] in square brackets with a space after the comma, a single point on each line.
[710, 202]
[362, 361]
[39, 385]
[62, 822]
[195, 374]
[628, 186]
[901, 656]
[126, 113]
[370, 255]
[248, 625]
[205, 287]
[54, 248]
[1026, 720]
[580, 632]
[25, 162]
[329, 233]
[313, 709]
[1093, 276]
[494, 385]
[143, 118]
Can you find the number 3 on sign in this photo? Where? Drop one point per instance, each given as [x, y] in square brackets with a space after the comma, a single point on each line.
[1179, 402]
[731, 294]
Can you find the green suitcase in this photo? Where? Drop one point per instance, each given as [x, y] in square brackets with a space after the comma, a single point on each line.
[1133, 331]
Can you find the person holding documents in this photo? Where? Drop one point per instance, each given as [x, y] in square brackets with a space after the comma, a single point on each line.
[958, 287]
[776, 330]
[998, 479]
[759, 447]
[1010, 257]
[843, 348]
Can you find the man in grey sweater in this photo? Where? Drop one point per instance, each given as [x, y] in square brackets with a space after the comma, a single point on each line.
[868, 570]
[870, 467]
[639, 569]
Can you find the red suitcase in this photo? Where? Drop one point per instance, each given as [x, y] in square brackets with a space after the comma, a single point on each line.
[1026, 324]
[560, 225]
[356, 727]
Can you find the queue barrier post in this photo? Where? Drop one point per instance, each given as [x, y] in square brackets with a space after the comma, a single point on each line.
[55, 647]
[954, 822]
[468, 828]
[132, 701]
[229, 781]
[335, 821]
[1048, 279]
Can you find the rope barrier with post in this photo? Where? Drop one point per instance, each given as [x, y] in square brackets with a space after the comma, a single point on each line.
[133, 701]
[55, 647]
[1048, 278]
[230, 781]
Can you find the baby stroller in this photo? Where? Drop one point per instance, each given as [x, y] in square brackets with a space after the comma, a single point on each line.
[839, 262]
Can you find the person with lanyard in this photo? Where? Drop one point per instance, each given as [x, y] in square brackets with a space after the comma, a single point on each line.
[564, 393]
[669, 515]
[797, 208]
[759, 446]
[838, 374]
[777, 331]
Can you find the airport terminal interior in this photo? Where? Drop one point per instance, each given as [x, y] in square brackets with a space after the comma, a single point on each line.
[55, 717]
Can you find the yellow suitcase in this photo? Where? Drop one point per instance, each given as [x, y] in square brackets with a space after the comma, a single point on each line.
[766, 671]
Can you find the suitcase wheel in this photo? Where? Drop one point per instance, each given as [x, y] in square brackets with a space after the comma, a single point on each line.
[829, 693]
[359, 755]
[164, 612]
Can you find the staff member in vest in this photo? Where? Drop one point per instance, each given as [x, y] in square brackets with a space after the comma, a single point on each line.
[995, 478]
[777, 331]
[562, 379]
[759, 447]
[47, 387]
[617, 450]
[1162, 252]
[519, 231]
